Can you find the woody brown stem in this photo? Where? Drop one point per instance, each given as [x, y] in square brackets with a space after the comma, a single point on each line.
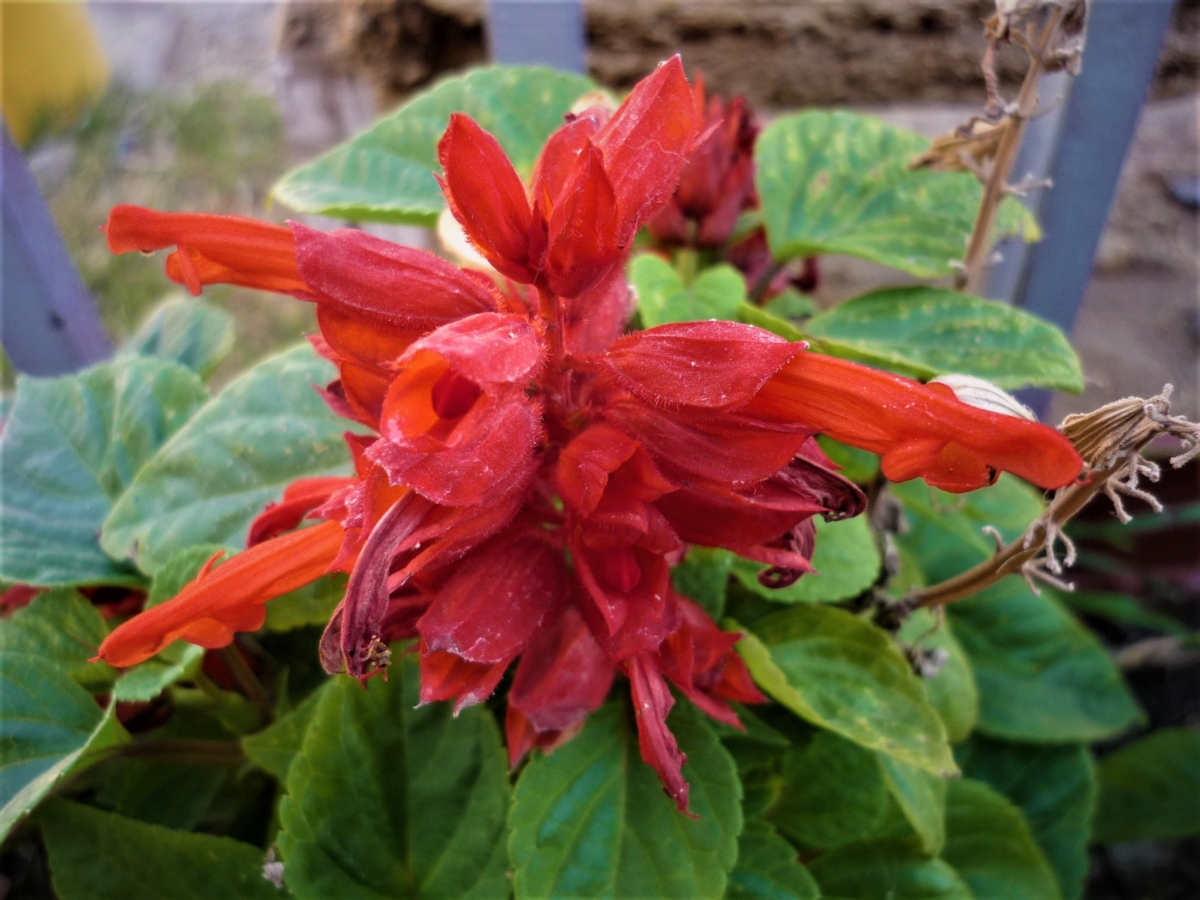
[996, 187]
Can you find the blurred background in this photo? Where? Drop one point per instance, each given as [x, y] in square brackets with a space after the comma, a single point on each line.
[203, 106]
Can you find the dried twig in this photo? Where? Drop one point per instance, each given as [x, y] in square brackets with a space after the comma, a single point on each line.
[1110, 441]
[1003, 27]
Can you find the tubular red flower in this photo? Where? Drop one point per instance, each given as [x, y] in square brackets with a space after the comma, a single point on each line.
[228, 598]
[919, 430]
[212, 249]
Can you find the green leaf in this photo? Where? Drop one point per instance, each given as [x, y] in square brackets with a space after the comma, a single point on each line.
[750, 314]
[386, 173]
[61, 626]
[274, 748]
[389, 799]
[186, 330]
[1042, 676]
[921, 798]
[791, 304]
[312, 604]
[591, 819]
[989, 844]
[1054, 786]
[846, 560]
[703, 576]
[717, 293]
[767, 868]
[96, 855]
[923, 332]
[1121, 608]
[946, 530]
[70, 448]
[886, 869]
[51, 727]
[240, 451]
[839, 672]
[952, 690]
[839, 182]
[833, 793]
[1150, 789]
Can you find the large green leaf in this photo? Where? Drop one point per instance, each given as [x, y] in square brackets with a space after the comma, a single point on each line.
[718, 292]
[1150, 789]
[842, 673]
[61, 626]
[1042, 676]
[1054, 786]
[96, 855]
[886, 869]
[846, 561]
[50, 727]
[592, 820]
[767, 868]
[386, 174]
[186, 330]
[388, 799]
[70, 448]
[923, 332]
[235, 456]
[832, 793]
[989, 844]
[839, 182]
[952, 689]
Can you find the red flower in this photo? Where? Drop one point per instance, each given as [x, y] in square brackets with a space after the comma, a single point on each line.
[718, 181]
[514, 430]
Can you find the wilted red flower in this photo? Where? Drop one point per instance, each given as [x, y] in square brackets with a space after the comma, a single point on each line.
[512, 430]
[718, 181]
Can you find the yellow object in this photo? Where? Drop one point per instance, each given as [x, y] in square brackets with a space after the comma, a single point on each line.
[51, 63]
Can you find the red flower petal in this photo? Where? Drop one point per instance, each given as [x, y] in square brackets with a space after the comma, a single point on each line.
[714, 365]
[652, 701]
[381, 281]
[925, 432]
[727, 449]
[582, 241]
[496, 600]
[563, 674]
[597, 317]
[487, 197]
[445, 676]
[627, 598]
[646, 144]
[558, 158]
[229, 598]
[299, 499]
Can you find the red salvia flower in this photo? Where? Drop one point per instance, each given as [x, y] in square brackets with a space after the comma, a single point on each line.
[514, 430]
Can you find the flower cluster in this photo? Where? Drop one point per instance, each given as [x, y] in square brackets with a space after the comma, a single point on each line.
[530, 471]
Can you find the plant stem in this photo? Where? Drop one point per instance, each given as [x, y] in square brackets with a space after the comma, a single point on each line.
[247, 681]
[191, 752]
[1011, 558]
[975, 263]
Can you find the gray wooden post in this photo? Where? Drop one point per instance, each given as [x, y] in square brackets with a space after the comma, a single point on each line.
[48, 322]
[537, 32]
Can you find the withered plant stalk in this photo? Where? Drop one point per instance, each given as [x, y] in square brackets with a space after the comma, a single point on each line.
[996, 186]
